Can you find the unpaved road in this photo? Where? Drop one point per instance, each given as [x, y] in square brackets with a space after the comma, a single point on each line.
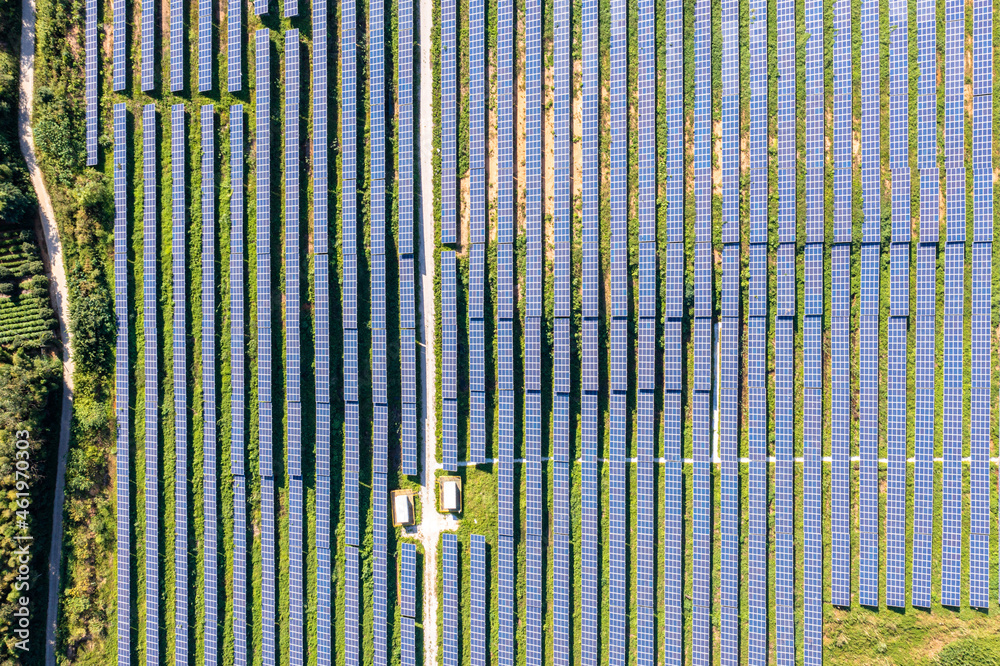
[432, 523]
[59, 293]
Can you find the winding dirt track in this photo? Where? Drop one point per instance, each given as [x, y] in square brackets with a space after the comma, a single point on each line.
[59, 292]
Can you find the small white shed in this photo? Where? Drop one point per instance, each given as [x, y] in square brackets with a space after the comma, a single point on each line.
[451, 496]
[402, 509]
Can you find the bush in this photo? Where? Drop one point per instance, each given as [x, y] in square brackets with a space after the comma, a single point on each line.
[969, 652]
[93, 325]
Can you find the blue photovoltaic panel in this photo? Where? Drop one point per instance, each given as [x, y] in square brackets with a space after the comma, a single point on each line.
[449, 121]
[321, 318]
[352, 584]
[293, 352]
[407, 642]
[118, 46]
[238, 385]
[205, 10]
[150, 299]
[478, 589]
[234, 45]
[925, 381]
[296, 562]
[268, 554]
[90, 73]
[178, 197]
[147, 38]
[176, 45]
[953, 423]
[260, 7]
[122, 370]
[208, 373]
[506, 567]
[407, 580]
[291, 8]
[237, 296]
[450, 611]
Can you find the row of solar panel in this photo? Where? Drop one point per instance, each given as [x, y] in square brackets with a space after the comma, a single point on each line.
[895, 565]
[151, 375]
[589, 562]
[178, 195]
[321, 315]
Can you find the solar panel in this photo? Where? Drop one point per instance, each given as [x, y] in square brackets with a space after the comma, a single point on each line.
[407, 642]
[150, 297]
[505, 599]
[449, 599]
[90, 73]
[240, 563]
[352, 629]
[234, 45]
[208, 365]
[179, 264]
[237, 382]
[205, 11]
[407, 580]
[618, 534]
[296, 562]
[147, 62]
[953, 425]
[118, 46]
[478, 590]
[122, 365]
[449, 123]
[268, 572]
[924, 424]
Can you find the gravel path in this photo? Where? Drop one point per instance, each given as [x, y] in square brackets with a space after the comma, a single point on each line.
[52, 254]
[432, 523]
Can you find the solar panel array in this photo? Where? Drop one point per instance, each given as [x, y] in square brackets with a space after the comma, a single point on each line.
[478, 589]
[349, 320]
[505, 329]
[812, 391]
[477, 230]
[238, 379]
[90, 75]
[208, 370]
[265, 416]
[407, 600]
[701, 398]
[673, 170]
[899, 296]
[756, 336]
[379, 371]
[147, 38]
[871, 184]
[618, 512]
[954, 316]
[118, 46]
[982, 279]
[926, 352]
[449, 361]
[449, 600]
[840, 425]
[260, 7]
[234, 45]
[293, 352]
[176, 45]
[151, 369]
[122, 368]
[534, 268]
[590, 605]
[784, 347]
[448, 26]
[178, 214]
[561, 564]
[205, 11]
[404, 240]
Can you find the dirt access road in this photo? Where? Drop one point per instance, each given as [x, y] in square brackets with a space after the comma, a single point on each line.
[59, 293]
